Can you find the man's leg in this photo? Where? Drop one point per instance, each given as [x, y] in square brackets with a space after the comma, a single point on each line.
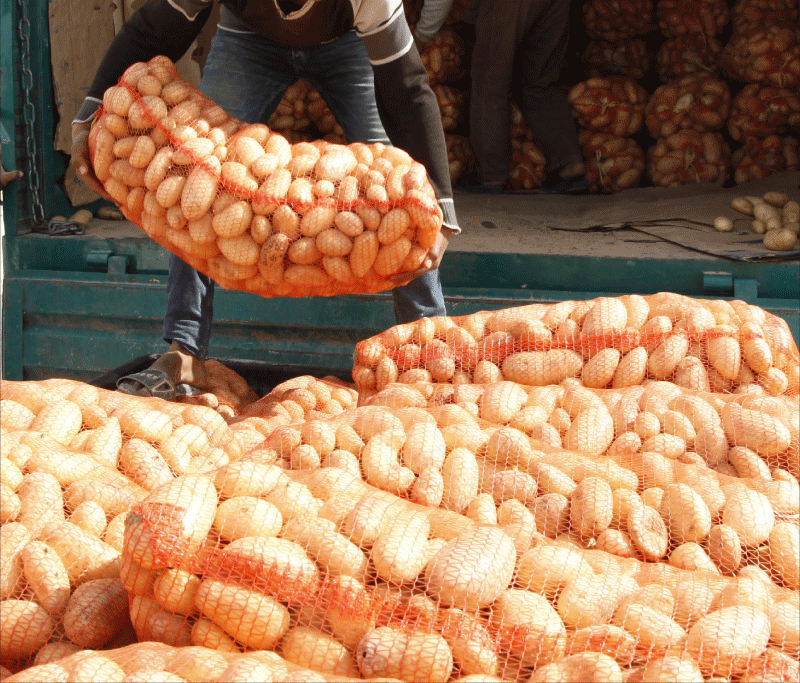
[545, 105]
[497, 34]
[246, 75]
[342, 73]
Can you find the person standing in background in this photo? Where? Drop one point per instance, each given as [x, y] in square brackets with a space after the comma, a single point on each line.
[527, 38]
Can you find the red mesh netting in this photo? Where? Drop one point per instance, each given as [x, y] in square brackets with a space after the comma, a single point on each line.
[588, 490]
[630, 58]
[252, 211]
[686, 54]
[765, 54]
[614, 104]
[689, 157]
[613, 163]
[696, 102]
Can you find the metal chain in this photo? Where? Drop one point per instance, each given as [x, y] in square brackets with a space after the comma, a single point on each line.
[29, 113]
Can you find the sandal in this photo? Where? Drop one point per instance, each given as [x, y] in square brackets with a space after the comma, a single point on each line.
[153, 382]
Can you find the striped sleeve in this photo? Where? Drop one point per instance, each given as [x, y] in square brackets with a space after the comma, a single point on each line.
[190, 8]
[408, 108]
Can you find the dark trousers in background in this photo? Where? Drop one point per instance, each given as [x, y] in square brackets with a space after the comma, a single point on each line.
[532, 36]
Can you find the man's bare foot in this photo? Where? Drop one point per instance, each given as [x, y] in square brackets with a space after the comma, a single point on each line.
[182, 367]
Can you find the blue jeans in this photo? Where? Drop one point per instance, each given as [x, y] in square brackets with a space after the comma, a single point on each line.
[247, 75]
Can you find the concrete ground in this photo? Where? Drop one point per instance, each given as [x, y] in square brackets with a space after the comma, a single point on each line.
[551, 224]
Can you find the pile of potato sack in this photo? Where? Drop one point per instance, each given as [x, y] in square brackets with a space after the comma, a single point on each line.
[602, 490]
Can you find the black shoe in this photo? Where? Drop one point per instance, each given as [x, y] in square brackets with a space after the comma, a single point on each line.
[474, 186]
[555, 184]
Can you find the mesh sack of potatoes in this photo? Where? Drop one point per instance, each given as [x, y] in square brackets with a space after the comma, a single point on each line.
[679, 17]
[686, 54]
[292, 112]
[296, 400]
[562, 337]
[614, 104]
[617, 20]
[509, 426]
[696, 102]
[528, 165]
[460, 156]
[762, 157]
[451, 105]
[249, 209]
[766, 54]
[763, 110]
[444, 57]
[519, 126]
[630, 58]
[749, 14]
[321, 115]
[342, 576]
[689, 157]
[613, 163]
[155, 662]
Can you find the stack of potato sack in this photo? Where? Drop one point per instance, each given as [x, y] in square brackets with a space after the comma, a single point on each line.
[684, 116]
[765, 118]
[528, 163]
[609, 111]
[302, 116]
[444, 57]
[249, 209]
[594, 490]
[612, 27]
[763, 52]
[691, 29]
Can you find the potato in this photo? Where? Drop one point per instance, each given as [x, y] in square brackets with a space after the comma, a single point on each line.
[529, 626]
[723, 641]
[723, 224]
[461, 577]
[777, 199]
[391, 652]
[96, 611]
[742, 205]
[249, 616]
[780, 239]
[784, 553]
[685, 514]
[313, 649]
[24, 627]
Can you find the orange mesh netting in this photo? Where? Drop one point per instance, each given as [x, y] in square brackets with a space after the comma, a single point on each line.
[599, 490]
[249, 209]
